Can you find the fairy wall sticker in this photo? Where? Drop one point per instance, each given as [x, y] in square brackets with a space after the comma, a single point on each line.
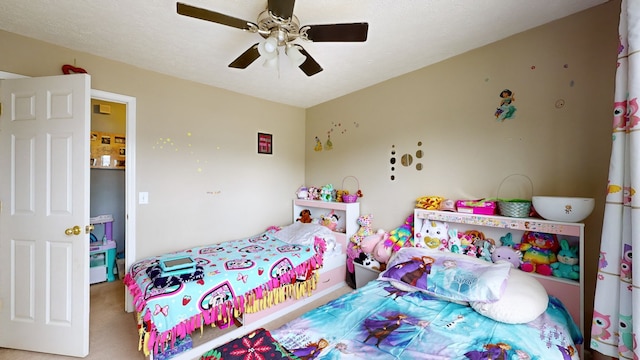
[506, 110]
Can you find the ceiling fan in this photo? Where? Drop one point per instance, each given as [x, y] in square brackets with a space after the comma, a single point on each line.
[280, 28]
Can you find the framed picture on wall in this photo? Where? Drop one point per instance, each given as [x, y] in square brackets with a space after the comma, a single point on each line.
[265, 143]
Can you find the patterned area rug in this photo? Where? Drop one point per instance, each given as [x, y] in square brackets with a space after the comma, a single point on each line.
[257, 345]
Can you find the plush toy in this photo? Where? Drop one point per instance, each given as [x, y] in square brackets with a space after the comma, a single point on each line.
[454, 244]
[364, 230]
[305, 216]
[303, 192]
[330, 220]
[327, 193]
[313, 193]
[375, 245]
[567, 264]
[433, 235]
[538, 252]
[353, 247]
[507, 252]
[368, 261]
[401, 236]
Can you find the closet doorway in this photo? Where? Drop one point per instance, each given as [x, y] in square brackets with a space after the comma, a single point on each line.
[113, 187]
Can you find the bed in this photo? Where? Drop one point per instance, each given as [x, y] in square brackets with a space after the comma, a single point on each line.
[435, 305]
[227, 280]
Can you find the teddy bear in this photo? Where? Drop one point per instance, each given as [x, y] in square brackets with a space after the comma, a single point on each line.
[376, 246]
[538, 252]
[567, 264]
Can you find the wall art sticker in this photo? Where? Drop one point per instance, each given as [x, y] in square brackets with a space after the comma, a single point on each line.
[506, 110]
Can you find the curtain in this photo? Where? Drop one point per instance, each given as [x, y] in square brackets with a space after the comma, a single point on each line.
[616, 311]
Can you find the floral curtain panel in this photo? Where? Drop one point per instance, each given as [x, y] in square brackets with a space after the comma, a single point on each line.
[616, 310]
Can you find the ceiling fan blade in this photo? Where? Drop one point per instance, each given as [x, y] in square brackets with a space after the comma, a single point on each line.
[356, 32]
[282, 9]
[216, 17]
[309, 66]
[246, 58]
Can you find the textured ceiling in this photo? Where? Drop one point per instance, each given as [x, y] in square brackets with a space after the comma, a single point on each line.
[404, 35]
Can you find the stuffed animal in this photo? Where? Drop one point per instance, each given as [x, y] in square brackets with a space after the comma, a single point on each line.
[375, 245]
[507, 252]
[401, 236]
[303, 192]
[305, 216]
[567, 264]
[433, 235]
[454, 244]
[327, 193]
[364, 230]
[330, 220]
[353, 247]
[368, 261]
[538, 252]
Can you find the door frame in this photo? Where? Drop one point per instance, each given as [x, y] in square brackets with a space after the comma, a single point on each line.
[130, 179]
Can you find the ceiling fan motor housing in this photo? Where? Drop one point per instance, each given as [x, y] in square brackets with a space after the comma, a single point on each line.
[283, 30]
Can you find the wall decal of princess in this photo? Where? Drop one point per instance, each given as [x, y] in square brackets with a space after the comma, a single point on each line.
[506, 110]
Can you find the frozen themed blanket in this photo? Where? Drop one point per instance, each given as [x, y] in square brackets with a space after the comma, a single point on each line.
[380, 321]
[231, 278]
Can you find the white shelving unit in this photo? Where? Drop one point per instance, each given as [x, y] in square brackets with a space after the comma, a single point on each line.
[570, 292]
[333, 272]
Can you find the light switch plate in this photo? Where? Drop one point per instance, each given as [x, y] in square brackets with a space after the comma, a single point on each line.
[143, 197]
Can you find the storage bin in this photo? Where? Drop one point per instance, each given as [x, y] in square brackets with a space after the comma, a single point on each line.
[364, 275]
[482, 207]
[97, 274]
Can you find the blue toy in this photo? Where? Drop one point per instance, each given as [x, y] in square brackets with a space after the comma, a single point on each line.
[567, 264]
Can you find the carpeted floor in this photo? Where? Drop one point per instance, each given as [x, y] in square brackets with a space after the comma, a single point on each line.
[113, 333]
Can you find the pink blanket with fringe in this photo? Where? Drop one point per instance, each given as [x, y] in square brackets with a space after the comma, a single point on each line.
[240, 276]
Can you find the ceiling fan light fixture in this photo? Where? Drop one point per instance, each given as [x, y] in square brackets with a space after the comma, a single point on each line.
[271, 63]
[294, 55]
[269, 48]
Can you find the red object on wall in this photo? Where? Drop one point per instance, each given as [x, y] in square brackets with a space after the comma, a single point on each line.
[69, 69]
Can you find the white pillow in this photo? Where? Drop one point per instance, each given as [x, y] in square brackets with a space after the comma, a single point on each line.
[523, 300]
[305, 234]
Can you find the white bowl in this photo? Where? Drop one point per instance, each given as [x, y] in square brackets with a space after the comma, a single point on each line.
[562, 208]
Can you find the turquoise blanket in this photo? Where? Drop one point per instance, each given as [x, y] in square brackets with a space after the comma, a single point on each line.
[379, 321]
[240, 276]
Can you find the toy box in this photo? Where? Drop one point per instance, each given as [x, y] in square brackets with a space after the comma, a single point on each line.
[481, 207]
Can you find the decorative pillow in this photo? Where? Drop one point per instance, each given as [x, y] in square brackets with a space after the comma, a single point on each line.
[451, 276]
[305, 234]
[523, 300]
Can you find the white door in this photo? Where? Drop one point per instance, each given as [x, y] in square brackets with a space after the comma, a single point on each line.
[44, 212]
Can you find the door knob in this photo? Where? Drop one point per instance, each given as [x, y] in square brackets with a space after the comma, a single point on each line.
[76, 230]
[88, 229]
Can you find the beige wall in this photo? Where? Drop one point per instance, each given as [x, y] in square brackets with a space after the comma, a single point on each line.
[196, 149]
[449, 108]
[193, 139]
